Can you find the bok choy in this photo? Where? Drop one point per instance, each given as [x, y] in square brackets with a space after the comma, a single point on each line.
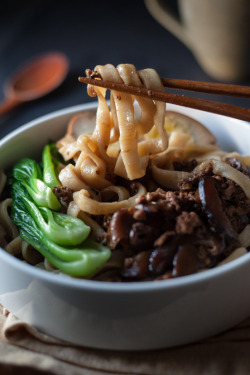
[30, 173]
[62, 239]
[50, 165]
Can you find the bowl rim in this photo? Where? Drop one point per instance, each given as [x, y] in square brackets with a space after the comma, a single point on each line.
[49, 116]
[123, 287]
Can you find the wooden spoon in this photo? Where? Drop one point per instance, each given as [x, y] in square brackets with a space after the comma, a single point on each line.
[34, 80]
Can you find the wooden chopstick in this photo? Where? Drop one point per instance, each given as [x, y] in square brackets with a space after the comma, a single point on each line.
[185, 101]
[208, 87]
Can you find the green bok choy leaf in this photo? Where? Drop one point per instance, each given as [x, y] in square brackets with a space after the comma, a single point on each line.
[30, 173]
[50, 165]
[60, 238]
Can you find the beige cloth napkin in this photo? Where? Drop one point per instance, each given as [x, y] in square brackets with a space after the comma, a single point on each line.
[22, 345]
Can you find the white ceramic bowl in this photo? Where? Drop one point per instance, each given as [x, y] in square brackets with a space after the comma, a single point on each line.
[125, 316]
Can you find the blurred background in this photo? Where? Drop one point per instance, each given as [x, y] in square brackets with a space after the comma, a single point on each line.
[89, 33]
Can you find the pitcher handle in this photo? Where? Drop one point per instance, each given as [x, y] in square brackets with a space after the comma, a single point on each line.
[160, 11]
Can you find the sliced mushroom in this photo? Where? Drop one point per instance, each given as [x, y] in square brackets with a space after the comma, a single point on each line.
[119, 228]
[199, 133]
[212, 204]
[83, 123]
[185, 261]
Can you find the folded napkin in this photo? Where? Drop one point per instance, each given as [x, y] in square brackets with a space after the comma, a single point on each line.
[24, 347]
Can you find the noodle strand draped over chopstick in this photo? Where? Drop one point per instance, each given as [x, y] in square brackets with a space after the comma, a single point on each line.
[118, 124]
[122, 145]
[117, 145]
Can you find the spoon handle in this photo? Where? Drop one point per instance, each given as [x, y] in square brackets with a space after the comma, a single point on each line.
[7, 105]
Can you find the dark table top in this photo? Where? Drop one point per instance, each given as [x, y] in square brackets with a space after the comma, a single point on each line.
[89, 33]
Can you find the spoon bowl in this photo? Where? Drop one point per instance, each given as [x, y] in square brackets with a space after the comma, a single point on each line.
[35, 79]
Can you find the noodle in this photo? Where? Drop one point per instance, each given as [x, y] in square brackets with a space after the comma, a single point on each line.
[85, 203]
[14, 247]
[5, 218]
[162, 168]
